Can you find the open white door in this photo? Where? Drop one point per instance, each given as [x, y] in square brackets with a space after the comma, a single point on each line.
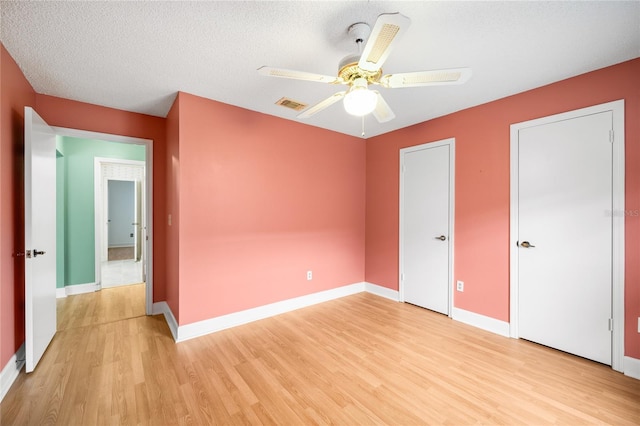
[40, 236]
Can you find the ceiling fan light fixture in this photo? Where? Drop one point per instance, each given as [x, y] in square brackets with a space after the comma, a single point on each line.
[359, 100]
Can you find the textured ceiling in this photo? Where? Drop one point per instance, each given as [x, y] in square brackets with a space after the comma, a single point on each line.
[136, 55]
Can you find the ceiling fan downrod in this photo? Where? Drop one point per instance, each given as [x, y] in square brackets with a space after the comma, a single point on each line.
[359, 32]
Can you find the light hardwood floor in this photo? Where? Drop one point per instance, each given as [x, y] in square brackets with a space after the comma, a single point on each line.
[106, 305]
[357, 360]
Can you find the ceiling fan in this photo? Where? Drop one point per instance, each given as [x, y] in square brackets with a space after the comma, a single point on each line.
[365, 68]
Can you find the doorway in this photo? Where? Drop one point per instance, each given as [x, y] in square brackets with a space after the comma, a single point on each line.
[567, 245]
[144, 188]
[426, 225]
[120, 223]
[44, 174]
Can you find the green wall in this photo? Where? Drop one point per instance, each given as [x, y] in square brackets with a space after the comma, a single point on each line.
[76, 265]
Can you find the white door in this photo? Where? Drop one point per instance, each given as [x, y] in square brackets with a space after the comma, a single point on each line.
[40, 236]
[565, 235]
[426, 207]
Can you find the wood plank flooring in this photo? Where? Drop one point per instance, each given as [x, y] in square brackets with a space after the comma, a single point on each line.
[106, 305]
[357, 360]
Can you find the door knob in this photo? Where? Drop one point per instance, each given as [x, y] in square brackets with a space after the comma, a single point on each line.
[526, 244]
[38, 252]
[441, 238]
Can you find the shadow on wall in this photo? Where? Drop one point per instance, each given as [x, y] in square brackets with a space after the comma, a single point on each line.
[17, 124]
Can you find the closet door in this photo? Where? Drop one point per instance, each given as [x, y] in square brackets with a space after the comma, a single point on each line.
[565, 235]
[426, 230]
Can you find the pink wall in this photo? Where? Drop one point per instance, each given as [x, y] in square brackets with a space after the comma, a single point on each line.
[16, 94]
[78, 115]
[262, 200]
[481, 249]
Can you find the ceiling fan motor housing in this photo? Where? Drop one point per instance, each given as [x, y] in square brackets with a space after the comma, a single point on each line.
[349, 70]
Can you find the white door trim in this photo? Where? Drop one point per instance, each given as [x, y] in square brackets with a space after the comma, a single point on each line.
[101, 206]
[617, 107]
[148, 143]
[451, 143]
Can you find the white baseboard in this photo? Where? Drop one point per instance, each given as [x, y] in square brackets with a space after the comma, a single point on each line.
[200, 328]
[71, 290]
[81, 288]
[486, 323]
[381, 291]
[164, 309]
[631, 367]
[10, 372]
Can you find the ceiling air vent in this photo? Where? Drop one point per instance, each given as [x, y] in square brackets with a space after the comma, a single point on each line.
[289, 103]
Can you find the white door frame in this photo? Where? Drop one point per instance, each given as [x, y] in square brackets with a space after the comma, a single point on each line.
[101, 206]
[617, 107]
[451, 143]
[101, 191]
[148, 197]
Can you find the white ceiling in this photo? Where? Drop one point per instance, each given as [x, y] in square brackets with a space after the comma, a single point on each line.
[136, 55]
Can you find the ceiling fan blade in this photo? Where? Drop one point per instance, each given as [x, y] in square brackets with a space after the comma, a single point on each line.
[383, 112]
[386, 32]
[299, 75]
[426, 78]
[322, 105]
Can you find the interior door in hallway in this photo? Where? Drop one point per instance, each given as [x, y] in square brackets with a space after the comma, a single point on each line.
[426, 212]
[565, 235]
[40, 236]
[122, 217]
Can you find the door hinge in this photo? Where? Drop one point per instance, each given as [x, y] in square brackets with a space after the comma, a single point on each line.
[401, 277]
[28, 254]
[610, 324]
[611, 136]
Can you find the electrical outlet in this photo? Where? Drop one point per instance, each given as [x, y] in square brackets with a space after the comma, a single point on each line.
[309, 275]
[460, 285]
